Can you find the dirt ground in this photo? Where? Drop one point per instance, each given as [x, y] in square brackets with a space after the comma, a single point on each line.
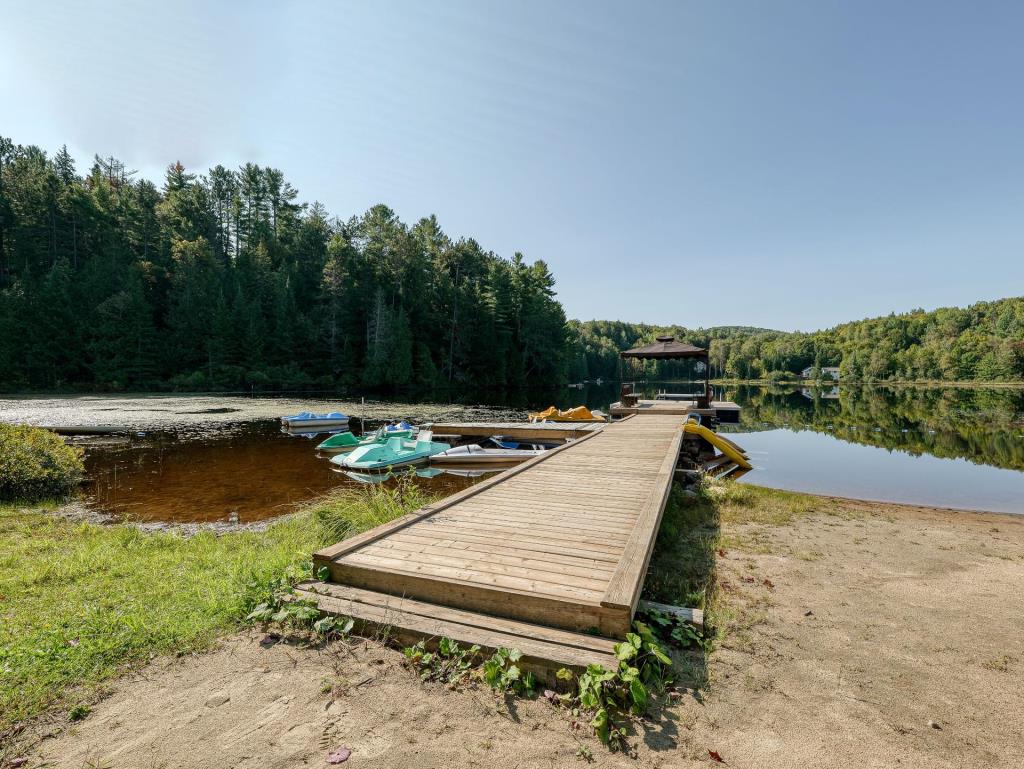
[848, 634]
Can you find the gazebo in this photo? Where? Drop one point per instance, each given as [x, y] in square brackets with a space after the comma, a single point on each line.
[665, 348]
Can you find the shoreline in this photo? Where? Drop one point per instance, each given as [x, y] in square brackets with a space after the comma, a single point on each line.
[953, 511]
[832, 643]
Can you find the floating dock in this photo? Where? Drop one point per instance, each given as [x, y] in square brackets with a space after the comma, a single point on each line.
[550, 555]
[519, 431]
[725, 411]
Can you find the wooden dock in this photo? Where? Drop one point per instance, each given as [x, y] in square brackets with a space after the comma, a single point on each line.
[555, 549]
[726, 411]
[519, 431]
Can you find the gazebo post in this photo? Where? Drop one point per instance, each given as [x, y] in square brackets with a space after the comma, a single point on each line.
[707, 381]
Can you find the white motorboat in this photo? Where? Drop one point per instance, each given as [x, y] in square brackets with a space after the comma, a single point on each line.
[482, 455]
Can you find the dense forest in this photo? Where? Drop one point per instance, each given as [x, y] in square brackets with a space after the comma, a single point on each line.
[225, 280]
[984, 342]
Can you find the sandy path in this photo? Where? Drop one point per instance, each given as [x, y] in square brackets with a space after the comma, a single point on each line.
[916, 615]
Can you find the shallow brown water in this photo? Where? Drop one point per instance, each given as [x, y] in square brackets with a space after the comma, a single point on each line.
[244, 474]
[221, 458]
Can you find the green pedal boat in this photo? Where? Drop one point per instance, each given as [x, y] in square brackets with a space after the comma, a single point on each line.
[394, 452]
[346, 441]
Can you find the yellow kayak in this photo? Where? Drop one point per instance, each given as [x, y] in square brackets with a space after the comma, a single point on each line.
[720, 442]
[578, 414]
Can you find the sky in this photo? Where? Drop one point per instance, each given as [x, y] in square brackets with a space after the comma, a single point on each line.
[781, 164]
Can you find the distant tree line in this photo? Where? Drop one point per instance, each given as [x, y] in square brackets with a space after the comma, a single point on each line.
[225, 280]
[984, 342]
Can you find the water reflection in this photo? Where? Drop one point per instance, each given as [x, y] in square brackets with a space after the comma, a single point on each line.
[984, 426]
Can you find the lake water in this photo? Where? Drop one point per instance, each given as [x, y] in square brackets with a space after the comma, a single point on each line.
[944, 447]
[224, 459]
[820, 464]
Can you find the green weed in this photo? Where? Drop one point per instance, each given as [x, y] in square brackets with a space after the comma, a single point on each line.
[502, 673]
[674, 630]
[611, 696]
[449, 664]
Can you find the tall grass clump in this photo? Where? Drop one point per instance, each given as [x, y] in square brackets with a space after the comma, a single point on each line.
[36, 464]
[348, 512]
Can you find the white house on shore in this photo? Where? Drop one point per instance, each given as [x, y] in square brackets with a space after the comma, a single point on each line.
[827, 372]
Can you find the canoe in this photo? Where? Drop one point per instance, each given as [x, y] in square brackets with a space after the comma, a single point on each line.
[394, 452]
[308, 419]
[479, 455]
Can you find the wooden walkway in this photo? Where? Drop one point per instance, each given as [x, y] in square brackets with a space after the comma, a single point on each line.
[727, 411]
[520, 431]
[562, 540]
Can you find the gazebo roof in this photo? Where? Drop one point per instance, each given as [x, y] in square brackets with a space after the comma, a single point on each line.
[666, 347]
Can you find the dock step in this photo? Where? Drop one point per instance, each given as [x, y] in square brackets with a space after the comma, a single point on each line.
[406, 621]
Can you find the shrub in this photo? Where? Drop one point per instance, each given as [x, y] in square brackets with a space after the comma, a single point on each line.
[36, 464]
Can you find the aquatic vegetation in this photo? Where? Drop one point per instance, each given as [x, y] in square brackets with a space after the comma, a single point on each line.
[36, 464]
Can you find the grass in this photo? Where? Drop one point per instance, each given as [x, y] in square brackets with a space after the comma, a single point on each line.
[683, 573]
[81, 603]
[683, 563]
[345, 514]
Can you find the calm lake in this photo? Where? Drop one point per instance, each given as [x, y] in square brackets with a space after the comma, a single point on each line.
[224, 459]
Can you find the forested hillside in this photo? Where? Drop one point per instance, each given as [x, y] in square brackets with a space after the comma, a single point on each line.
[984, 342]
[226, 280]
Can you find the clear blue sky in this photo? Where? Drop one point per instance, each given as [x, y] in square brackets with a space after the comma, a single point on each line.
[781, 164]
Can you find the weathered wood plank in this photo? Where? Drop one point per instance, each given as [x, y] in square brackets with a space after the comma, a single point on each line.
[519, 431]
[501, 545]
[573, 613]
[449, 614]
[579, 567]
[693, 616]
[545, 573]
[624, 589]
[541, 655]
